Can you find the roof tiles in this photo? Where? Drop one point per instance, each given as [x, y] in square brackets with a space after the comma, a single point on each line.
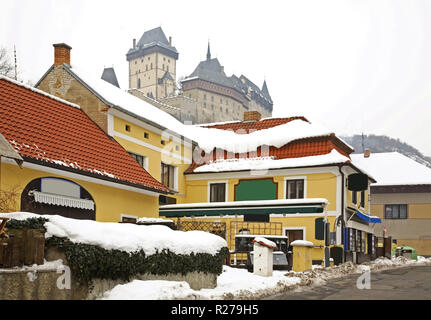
[43, 128]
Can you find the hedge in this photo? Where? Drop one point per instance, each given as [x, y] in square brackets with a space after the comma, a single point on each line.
[30, 223]
[89, 262]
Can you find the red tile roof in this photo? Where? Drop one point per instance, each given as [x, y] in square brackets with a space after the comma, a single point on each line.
[295, 149]
[47, 130]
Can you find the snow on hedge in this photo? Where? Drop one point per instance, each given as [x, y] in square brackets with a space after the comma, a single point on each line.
[127, 237]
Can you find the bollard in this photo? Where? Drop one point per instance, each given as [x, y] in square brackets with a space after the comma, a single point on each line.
[263, 256]
[302, 255]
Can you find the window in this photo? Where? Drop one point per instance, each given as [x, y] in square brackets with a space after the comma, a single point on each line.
[139, 159]
[162, 142]
[354, 197]
[139, 83]
[128, 219]
[217, 192]
[146, 135]
[168, 175]
[295, 189]
[362, 199]
[127, 128]
[205, 96]
[396, 211]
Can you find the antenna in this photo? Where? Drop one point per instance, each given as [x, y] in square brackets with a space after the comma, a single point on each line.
[14, 54]
[363, 148]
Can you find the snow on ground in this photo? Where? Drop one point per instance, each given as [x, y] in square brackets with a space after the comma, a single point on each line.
[235, 284]
[127, 237]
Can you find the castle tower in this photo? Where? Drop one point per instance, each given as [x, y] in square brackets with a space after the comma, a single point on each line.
[152, 65]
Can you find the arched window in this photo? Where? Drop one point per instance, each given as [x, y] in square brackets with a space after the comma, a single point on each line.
[50, 195]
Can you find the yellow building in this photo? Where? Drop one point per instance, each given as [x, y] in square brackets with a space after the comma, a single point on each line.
[149, 134]
[302, 165]
[68, 165]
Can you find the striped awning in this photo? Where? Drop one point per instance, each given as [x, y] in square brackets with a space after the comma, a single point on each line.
[59, 200]
[282, 206]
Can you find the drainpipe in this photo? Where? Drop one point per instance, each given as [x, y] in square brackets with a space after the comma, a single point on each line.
[343, 222]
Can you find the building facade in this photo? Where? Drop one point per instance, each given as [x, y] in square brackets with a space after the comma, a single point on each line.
[69, 166]
[305, 168]
[401, 197]
[145, 131]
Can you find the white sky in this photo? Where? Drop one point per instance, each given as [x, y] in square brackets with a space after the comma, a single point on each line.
[353, 66]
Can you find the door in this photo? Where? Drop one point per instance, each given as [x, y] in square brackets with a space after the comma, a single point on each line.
[294, 235]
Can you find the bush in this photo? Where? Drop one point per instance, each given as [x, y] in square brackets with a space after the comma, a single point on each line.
[30, 223]
[89, 262]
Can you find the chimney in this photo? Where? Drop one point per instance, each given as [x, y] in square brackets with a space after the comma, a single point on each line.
[134, 43]
[367, 153]
[170, 41]
[61, 54]
[252, 116]
[222, 69]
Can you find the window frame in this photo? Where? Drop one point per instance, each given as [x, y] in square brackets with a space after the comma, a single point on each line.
[296, 178]
[399, 211]
[225, 190]
[172, 172]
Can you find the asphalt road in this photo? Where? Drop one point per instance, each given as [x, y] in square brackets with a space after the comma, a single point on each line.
[396, 284]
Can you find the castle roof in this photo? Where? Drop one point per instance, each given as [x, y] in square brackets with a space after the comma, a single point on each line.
[210, 70]
[109, 76]
[150, 41]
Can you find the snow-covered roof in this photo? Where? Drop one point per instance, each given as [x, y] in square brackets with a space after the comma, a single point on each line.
[393, 168]
[121, 99]
[127, 236]
[265, 163]
[278, 136]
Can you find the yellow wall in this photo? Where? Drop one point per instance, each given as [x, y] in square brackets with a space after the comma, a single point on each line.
[318, 185]
[110, 202]
[155, 157]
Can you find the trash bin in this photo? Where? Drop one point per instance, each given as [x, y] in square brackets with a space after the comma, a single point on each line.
[407, 252]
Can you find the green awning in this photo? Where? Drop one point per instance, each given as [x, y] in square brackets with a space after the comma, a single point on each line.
[283, 206]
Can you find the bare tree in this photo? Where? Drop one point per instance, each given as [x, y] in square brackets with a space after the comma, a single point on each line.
[6, 66]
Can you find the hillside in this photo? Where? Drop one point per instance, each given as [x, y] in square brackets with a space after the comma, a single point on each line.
[386, 144]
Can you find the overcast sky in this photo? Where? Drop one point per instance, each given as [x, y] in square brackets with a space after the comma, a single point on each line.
[353, 66]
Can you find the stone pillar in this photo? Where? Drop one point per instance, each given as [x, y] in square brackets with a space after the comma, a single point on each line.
[302, 255]
[263, 257]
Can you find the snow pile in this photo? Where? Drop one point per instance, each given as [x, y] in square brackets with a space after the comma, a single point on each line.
[265, 242]
[152, 220]
[264, 163]
[233, 283]
[46, 266]
[302, 243]
[150, 290]
[236, 283]
[127, 237]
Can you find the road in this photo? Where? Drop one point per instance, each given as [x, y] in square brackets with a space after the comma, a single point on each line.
[413, 282]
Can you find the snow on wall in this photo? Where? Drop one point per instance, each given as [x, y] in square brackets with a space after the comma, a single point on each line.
[127, 237]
